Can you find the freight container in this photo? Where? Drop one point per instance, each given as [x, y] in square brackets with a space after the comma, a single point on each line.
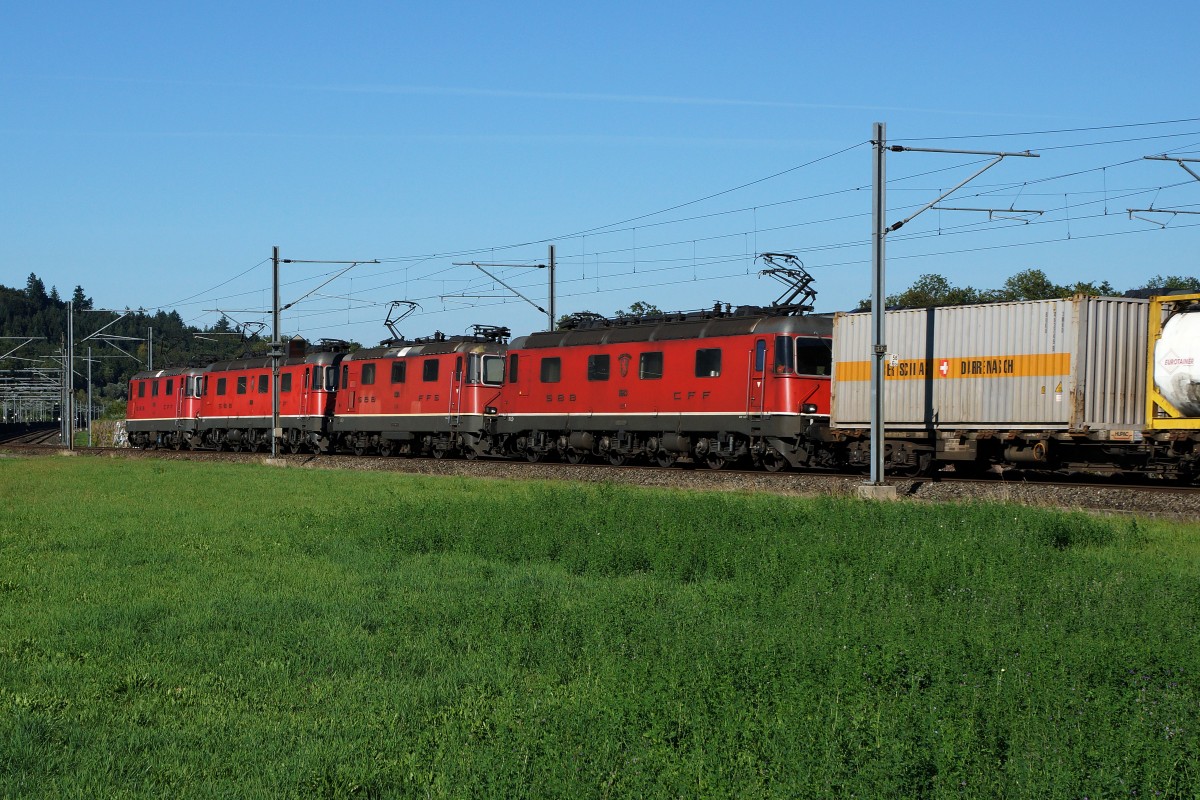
[1075, 366]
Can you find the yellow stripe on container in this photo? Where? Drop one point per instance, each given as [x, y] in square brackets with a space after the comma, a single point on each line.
[1026, 366]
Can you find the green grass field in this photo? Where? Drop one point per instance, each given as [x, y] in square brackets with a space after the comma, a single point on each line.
[174, 629]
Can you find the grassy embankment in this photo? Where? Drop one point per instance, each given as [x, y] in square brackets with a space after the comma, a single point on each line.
[187, 630]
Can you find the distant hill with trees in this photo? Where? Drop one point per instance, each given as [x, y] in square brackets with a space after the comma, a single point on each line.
[36, 312]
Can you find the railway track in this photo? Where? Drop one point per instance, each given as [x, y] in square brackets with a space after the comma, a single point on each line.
[1104, 495]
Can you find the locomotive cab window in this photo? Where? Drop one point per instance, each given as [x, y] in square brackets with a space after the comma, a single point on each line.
[551, 370]
[399, 371]
[221, 386]
[650, 365]
[598, 367]
[170, 386]
[512, 368]
[368, 375]
[285, 382]
[331, 375]
[346, 375]
[708, 363]
[760, 355]
[429, 370]
[785, 356]
[813, 357]
[493, 370]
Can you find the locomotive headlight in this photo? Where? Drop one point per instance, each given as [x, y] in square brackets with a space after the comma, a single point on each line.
[808, 408]
[489, 411]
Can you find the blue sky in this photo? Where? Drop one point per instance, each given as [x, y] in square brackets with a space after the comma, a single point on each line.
[154, 152]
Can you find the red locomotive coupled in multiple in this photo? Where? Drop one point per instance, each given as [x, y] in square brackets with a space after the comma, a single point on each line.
[235, 410]
[163, 407]
[713, 386]
[434, 396]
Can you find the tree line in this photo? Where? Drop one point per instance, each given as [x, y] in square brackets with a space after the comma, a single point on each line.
[1030, 284]
[41, 314]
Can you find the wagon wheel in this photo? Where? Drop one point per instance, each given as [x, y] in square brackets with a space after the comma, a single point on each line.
[715, 461]
[918, 467]
[615, 458]
[665, 458]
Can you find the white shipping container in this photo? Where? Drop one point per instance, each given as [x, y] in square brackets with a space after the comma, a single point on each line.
[1076, 364]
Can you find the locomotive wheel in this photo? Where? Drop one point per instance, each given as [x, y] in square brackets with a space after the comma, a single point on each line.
[665, 458]
[773, 462]
[177, 441]
[386, 447]
[295, 447]
[615, 458]
[439, 453]
[714, 461]
[533, 456]
[469, 453]
[574, 456]
[358, 449]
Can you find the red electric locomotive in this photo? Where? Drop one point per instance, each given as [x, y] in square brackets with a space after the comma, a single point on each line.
[236, 404]
[163, 407]
[713, 386]
[434, 395]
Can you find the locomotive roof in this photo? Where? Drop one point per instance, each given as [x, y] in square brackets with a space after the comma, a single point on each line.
[260, 362]
[689, 326]
[456, 344]
[167, 373]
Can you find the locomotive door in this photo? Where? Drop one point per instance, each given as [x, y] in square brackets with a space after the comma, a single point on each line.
[756, 390]
[305, 388]
[179, 397]
[456, 387]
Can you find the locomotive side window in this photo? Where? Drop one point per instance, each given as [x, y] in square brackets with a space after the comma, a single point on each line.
[399, 371]
[650, 365]
[598, 367]
[708, 363]
[458, 369]
[141, 388]
[813, 357]
[760, 355]
[331, 378]
[241, 384]
[493, 370]
[285, 382]
[154, 388]
[512, 368]
[429, 370]
[345, 374]
[551, 370]
[170, 386]
[221, 386]
[263, 384]
[368, 375]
